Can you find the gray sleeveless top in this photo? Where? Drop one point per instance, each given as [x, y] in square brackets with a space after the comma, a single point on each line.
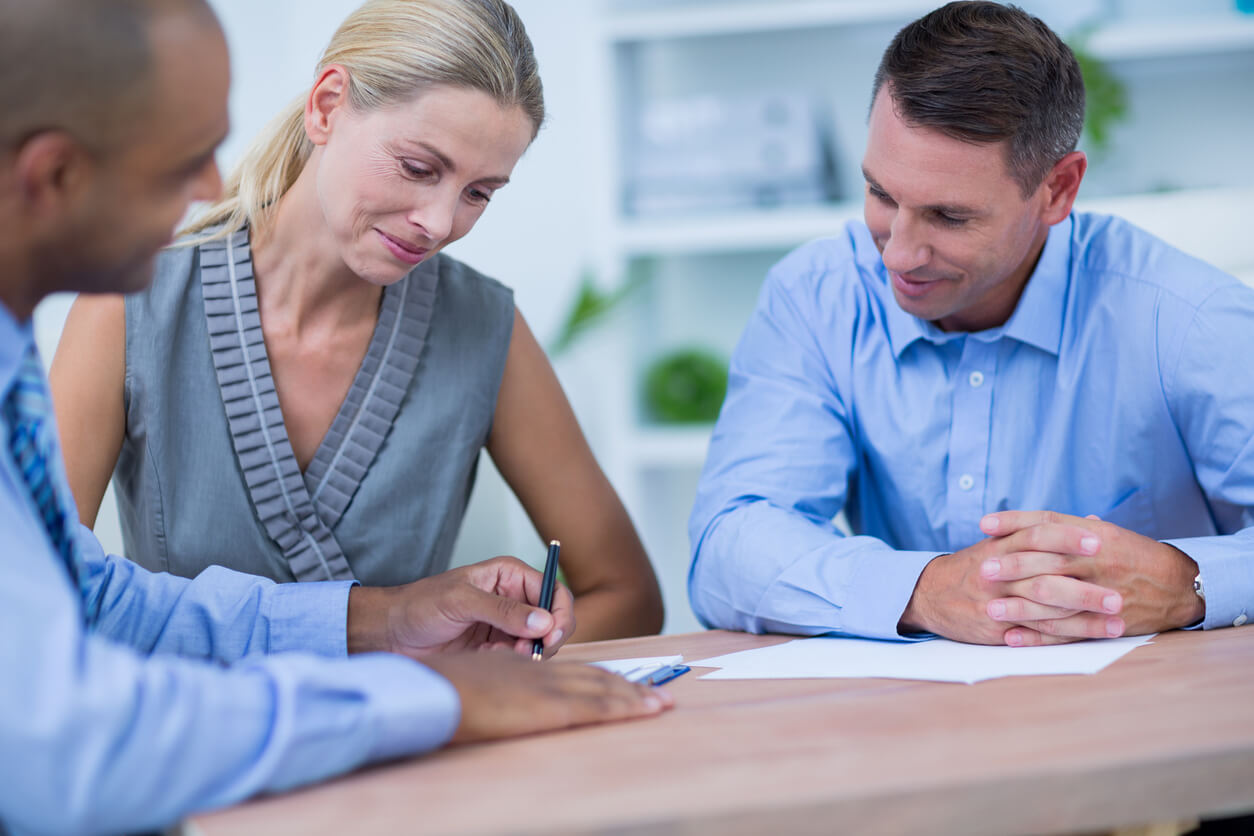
[207, 475]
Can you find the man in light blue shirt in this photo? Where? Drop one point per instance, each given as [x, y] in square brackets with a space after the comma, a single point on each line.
[129, 698]
[972, 376]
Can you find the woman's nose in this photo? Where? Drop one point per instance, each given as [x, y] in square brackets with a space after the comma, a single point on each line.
[435, 217]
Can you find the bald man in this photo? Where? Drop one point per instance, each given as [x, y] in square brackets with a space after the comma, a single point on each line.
[131, 698]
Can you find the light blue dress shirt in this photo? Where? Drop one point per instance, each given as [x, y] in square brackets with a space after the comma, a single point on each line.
[1122, 385]
[172, 701]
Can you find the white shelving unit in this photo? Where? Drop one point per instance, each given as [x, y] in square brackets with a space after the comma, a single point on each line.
[1207, 34]
[726, 232]
[1180, 71]
[1184, 33]
[698, 20]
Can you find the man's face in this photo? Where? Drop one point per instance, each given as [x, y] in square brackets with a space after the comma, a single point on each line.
[139, 191]
[957, 236]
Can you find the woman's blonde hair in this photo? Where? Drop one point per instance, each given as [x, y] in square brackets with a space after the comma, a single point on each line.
[392, 50]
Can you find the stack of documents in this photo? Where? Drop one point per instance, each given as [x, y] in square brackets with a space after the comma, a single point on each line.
[648, 670]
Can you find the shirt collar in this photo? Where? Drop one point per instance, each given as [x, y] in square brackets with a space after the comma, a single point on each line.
[15, 340]
[1037, 319]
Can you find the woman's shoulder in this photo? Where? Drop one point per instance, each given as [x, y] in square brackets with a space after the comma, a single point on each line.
[176, 269]
[172, 272]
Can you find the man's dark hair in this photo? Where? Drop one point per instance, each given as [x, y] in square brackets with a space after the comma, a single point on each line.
[985, 72]
[82, 66]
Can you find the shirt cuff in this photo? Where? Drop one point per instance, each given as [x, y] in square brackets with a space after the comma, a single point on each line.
[1227, 578]
[309, 617]
[880, 592]
[414, 708]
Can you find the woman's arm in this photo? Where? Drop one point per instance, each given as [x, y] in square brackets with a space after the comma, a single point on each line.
[87, 380]
[539, 449]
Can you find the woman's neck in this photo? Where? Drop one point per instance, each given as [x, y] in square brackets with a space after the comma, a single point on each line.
[301, 280]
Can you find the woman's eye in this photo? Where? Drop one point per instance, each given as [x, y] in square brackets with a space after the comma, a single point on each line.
[415, 170]
[480, 196]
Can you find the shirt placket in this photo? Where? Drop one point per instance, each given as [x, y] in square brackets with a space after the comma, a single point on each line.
[969, 441]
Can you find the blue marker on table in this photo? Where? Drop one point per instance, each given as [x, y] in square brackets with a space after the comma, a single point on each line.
[547, 586]
[656, 674]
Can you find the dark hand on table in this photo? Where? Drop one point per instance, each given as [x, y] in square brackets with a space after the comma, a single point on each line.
[487, 605]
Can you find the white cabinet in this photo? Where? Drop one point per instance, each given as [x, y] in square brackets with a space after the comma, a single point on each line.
[1182, 165]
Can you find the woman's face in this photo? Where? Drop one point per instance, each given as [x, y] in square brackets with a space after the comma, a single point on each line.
[398, 184]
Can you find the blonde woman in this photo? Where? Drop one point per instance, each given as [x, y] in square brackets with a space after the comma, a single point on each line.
[308, 383]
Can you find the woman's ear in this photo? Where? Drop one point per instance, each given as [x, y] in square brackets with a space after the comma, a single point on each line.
[328, 95]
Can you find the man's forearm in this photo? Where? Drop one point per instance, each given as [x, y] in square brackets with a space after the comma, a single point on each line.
[762, 568]
[220, 614]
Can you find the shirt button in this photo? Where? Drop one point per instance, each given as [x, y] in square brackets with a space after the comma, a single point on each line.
[976, 380]
[1239, 620]
[966, 482]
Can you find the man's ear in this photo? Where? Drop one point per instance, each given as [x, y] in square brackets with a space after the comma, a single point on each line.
[328, 95]
[50, 170]
[1061, 185]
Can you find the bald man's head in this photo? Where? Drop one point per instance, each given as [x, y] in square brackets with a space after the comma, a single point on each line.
[80, 66]
[110, 112]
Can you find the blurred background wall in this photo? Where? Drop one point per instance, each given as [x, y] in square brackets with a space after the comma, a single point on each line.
[692, 143]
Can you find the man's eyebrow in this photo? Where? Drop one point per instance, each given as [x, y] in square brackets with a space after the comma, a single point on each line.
[942, 208]
[866, 175]
[954, 209]
[452, 169]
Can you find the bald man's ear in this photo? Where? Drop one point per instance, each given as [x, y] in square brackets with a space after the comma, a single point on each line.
[50, 170]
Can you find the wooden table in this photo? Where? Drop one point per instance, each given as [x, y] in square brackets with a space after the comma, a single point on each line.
[1165, 733]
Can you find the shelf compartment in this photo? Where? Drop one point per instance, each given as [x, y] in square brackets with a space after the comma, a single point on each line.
[741, 231]
[656, 445]
[1174, 36]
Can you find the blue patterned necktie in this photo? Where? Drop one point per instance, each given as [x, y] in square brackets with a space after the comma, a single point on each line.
[33, 445]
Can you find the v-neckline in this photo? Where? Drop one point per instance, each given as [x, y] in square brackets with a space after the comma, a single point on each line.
[299, 511]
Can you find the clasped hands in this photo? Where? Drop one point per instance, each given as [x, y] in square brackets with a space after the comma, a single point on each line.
[1045, 578]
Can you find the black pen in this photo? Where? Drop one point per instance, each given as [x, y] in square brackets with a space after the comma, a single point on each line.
[546, 593]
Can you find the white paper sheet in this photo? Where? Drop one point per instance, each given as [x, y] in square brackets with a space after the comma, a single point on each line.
[626, 666]
[939, 659]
